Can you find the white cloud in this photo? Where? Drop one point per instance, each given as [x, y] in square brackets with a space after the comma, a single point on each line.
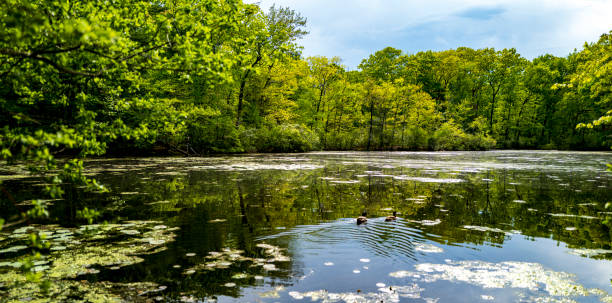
[354, 29]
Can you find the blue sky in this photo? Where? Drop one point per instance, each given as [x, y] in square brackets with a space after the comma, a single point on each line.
[354, 29]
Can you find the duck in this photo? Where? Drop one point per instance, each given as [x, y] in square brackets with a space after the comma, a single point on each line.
[391, 218]
[362, 219]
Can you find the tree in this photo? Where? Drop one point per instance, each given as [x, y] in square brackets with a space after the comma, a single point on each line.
[593, 77]
[77, 76]
[383, 65]
[323, 73]
[270, 37]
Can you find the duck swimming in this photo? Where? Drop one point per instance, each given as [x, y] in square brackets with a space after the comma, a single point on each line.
[362, 219]
[391, 218]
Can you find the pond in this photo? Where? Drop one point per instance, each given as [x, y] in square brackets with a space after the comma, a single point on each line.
[503, 226]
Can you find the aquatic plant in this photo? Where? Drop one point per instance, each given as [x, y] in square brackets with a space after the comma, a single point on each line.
[228, 257]
[78, 251]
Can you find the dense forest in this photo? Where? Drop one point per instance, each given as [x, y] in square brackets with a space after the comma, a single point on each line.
[175, 77]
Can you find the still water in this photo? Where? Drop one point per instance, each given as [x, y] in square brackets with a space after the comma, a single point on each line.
[502, 226]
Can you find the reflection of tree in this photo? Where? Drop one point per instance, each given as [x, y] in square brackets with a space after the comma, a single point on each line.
[277, 199]
[259, 203]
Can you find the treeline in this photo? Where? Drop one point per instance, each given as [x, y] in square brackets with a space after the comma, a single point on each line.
[183, 77]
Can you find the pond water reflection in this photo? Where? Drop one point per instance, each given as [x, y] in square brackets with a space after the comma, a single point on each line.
[506, 226]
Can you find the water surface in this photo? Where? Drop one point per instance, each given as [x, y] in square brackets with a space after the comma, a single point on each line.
[503, 226]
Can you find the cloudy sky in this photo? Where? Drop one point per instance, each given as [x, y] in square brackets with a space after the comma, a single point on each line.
[353, 29]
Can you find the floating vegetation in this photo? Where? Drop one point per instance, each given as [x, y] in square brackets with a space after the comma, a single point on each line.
[240, 276]
[246, 166]
[589, 253]
[488, 229]
[296, 295]
[158, 202]
[292, 208]
[426, 222]
[14, 177]
[428, 180]
[344, 181]
[427, 248]
[274, 251]
[531, 276]
[23, 230]
[384, 294]
[68, 290]
[416, 199]
[227, 257]
[13, 249]
[170, 173]
[10, 264]
[86, 250]
[274, 293]
[571, 216]
[130, 232]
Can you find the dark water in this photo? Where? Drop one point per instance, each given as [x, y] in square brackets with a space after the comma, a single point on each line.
[505, 226]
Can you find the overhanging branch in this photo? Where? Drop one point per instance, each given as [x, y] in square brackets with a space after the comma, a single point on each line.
[59, 67]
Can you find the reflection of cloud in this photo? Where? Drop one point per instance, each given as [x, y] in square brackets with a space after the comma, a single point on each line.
[589, 253]
[533, 27]
[501, 275]
[544, 285]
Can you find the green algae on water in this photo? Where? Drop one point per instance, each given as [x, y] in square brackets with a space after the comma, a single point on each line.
[87, 250]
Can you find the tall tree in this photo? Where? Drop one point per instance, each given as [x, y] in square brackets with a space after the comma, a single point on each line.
[273, 38]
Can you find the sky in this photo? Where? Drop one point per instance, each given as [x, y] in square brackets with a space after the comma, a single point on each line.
[354, 29]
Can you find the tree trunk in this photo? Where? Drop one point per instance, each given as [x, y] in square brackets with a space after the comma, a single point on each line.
[516, 125]
[394, 123]
[241, 93]
[241, 97]
[371, 121]
[495, 92]
[321, 94]
[382, 130]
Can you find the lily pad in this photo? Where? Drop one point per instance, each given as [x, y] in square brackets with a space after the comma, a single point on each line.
[13, 249]
[240, 276]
